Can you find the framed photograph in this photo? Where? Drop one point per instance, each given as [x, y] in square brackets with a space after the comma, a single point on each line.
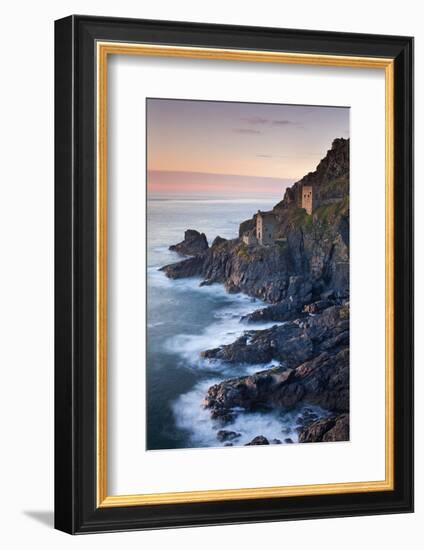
[234, 270]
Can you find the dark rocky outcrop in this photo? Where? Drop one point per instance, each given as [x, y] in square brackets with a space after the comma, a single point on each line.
[291, 343]
[335, 428]
[258, 440]
[317, 307]
[181, 270]
[330, 179]
[304, 276]
[227, 435]
[288, 310]
[218, 240]
[310, 259]
[193, 243]
[314, 357]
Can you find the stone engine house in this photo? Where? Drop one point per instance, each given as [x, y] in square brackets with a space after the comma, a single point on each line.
[266, 224]
[307, 198]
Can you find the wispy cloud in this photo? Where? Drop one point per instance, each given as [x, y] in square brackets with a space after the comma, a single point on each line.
[256, 120]
[284, 122]
[261, 121]
[246, 131]
[305, 156]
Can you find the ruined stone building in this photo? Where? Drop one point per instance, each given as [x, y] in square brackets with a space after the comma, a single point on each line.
[249, 237]
[307, 198]
[266, 225]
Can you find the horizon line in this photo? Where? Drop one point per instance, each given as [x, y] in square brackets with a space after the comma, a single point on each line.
[218, 174]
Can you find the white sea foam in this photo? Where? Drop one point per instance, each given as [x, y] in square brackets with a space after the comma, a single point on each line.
[157, 324]
[195, 319]
[195, 420]
[225, 328]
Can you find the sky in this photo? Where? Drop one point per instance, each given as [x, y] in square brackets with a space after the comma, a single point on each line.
[220, 149]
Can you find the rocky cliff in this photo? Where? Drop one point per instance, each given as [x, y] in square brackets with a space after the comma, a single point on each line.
[304, 276]
[193, 243]
[311, 251]
[314, 366]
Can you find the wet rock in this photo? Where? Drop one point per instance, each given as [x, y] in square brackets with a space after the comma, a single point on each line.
[286, 310]
[305, 278]
[258, 440]
[222, 417]
[335, 428]
[287, 343]
[191, 267]
[316, 371]
[193, 243]
[288, 440]
[291, 343]
[275, 442]
[227, 435]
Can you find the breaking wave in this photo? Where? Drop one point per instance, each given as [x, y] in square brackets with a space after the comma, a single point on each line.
[202, 430]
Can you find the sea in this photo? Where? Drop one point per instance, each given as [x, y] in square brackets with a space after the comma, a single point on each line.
[183, 319]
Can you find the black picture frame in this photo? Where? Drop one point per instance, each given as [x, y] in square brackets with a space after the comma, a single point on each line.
[76, 510]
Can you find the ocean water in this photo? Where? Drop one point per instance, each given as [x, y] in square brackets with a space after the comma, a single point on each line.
[184, 319]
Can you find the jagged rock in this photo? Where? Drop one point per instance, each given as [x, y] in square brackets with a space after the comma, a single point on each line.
[299, 294]
[299, 288]
[330, 179]
[317, 356]
[227, 435]
[318, 306]
[305, 278]
[283, 311]
[291, 343]
[191, 267]
[327, 429]
[258, 440]
[193, 243]
[222, 417]
[218, 240]
[310, 261]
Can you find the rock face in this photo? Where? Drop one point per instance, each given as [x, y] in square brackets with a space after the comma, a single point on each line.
[314, 358]
[309, 260]
[187, 268]
[290, 343]
[258, 271]
[193, 243]
[258, 440]
[328, 429]
[330, 179]
[304, 276]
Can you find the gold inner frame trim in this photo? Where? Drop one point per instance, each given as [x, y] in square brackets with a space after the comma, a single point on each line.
[103, 50]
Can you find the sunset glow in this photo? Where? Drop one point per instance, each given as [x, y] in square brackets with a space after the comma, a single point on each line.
[226, 148]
